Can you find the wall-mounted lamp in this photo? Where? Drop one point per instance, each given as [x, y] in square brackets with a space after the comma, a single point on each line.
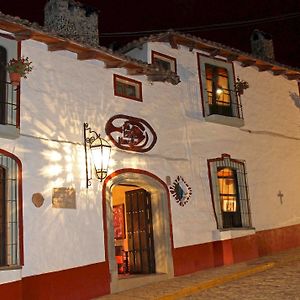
[97, 150]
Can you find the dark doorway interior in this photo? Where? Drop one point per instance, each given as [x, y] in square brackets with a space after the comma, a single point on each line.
[133, 229]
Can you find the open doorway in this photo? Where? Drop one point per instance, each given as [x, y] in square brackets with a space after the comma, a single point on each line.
[133, 230]
[139, 238]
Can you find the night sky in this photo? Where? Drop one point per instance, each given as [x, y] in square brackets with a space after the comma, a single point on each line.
[279, 18]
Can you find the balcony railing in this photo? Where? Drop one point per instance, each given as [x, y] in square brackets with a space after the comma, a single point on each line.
[8, 104]
[227, 104]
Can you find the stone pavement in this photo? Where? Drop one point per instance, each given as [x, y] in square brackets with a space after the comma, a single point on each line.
[277, 283]
[222, 279]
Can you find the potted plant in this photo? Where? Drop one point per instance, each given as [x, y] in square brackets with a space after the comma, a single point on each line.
[240, 86]
[17, 68]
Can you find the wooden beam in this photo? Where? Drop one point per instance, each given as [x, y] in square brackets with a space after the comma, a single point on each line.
[173, 42]
[293, 76]
[262, 68]
[247, 62]
[87, 55]
[135, 71]
[204, 48]
[231, 57]
[61, 45]
[277, 72]
[116, 64]
[10, 27]
[23, 35]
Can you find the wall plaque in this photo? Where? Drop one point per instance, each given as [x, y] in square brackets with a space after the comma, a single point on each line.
[130, 133]
[64, 198]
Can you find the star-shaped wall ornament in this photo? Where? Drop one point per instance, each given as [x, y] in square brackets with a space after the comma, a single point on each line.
[181, 191]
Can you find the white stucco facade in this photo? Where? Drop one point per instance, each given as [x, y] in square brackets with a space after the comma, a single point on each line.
[62, 93]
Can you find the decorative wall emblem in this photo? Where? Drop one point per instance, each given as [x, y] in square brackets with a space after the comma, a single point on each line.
[130, 133]
[38, 199]
[181, 191]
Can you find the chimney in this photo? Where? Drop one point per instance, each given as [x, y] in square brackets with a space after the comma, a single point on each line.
[72, 20]
[262, 45]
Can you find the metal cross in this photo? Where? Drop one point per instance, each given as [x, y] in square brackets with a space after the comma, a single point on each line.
[280, 195]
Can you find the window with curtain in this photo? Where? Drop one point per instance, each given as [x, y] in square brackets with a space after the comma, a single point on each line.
[218, 93]
[230, 192]
[220, 101]
[127, 88]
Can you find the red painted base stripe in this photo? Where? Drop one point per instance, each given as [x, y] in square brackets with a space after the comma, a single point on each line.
[82, 283]
[11, 291]
[93, 281]
[231, 251]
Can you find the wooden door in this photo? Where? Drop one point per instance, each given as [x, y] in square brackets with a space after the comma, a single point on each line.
[2, 218]
[3, 92]
[139, 232]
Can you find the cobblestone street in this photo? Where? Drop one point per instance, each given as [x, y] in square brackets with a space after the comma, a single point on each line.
[280, 282]
[274, 277]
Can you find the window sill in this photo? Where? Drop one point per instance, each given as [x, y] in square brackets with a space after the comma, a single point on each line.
[225, 120]
[232, 233]
[9, 131]
[8, 268]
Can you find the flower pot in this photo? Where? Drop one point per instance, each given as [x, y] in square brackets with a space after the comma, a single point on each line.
[15, 79]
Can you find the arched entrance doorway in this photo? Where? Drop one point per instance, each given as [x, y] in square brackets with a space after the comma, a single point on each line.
[138, 231]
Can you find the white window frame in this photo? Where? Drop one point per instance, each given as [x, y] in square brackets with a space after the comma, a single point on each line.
[236, 119]
[163, 57]
[137, 85]
[225, 161]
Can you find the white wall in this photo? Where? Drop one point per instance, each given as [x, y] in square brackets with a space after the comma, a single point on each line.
[270, 150]
[62, 93]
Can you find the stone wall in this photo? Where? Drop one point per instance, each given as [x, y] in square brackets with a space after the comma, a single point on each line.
[262, 45]
[72, 20]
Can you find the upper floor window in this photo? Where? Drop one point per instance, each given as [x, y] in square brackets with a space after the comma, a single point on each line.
[220, 101]
[9, 94]
[164, 61]
[127, 88]
[230, 192]
[9, 211]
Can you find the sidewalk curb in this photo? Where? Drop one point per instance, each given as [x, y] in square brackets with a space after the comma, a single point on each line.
[216, 281]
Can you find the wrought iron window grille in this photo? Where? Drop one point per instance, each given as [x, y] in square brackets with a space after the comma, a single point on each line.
[9, 233]
[218, 106]
[8, 104]
[241, 218]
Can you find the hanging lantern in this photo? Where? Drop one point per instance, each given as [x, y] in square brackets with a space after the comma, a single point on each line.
[99, 150]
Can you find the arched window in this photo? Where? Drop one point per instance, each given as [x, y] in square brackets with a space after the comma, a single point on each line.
[229, 189]
[9, 211]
